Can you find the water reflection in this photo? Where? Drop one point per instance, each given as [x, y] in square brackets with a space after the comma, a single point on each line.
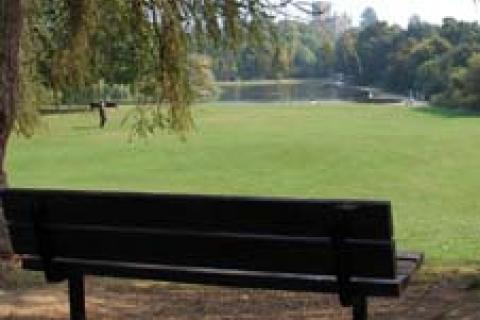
[311, 90]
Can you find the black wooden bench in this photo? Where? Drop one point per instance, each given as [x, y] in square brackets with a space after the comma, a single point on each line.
[98, 105]
[343, 247]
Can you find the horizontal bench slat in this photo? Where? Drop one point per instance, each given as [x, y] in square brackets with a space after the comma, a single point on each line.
[314, 255]
[364, 219]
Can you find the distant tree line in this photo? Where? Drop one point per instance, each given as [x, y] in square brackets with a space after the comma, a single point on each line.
[439, 63]
[297, 50]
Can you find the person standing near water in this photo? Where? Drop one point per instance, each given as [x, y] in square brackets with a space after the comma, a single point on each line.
[411, 98]
[102, 113]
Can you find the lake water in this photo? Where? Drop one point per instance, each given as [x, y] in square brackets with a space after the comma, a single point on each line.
[311, 90]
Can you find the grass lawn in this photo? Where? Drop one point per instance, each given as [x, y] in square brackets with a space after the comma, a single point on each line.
[426, 162]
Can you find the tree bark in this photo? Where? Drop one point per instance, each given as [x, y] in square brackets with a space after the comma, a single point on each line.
[9, 96]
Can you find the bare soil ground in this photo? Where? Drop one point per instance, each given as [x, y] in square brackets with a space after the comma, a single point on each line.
[434, 295]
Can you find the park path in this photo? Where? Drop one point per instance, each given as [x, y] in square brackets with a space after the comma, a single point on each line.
[431, 296]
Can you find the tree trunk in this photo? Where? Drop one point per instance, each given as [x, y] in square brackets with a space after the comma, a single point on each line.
[12, 22]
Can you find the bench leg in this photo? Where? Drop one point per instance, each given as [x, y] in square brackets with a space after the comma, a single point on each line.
[76, 291]
[360, 310]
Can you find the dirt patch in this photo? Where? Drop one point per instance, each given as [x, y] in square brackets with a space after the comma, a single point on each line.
[433, 295]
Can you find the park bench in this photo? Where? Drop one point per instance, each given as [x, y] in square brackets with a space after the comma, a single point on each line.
[98, 105]
[337, 246]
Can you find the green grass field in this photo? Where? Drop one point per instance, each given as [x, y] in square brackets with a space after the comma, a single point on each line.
[425, 161]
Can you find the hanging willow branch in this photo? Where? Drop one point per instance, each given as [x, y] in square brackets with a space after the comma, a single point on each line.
[164, 33]
[71, 63]
[170, 30]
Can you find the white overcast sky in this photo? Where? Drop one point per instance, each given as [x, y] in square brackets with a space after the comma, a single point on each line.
[399, 11]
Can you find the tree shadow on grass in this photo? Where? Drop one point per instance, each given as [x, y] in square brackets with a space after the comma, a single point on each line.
[445, 112]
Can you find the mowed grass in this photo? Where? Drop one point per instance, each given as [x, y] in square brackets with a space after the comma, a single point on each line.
[426, 162]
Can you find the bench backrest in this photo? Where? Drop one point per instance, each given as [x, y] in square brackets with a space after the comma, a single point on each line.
[239, 233]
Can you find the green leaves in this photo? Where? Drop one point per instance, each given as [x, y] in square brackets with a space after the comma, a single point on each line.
[74, 44]
[155, 44]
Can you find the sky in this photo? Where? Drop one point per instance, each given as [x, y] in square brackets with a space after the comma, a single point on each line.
[399, 11]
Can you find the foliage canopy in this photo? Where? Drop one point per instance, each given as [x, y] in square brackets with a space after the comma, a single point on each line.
[80, 42]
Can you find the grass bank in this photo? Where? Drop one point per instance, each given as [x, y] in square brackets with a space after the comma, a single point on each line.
[425, 162]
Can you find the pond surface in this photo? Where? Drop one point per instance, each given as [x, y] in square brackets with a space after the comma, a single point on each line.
[310, 90]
